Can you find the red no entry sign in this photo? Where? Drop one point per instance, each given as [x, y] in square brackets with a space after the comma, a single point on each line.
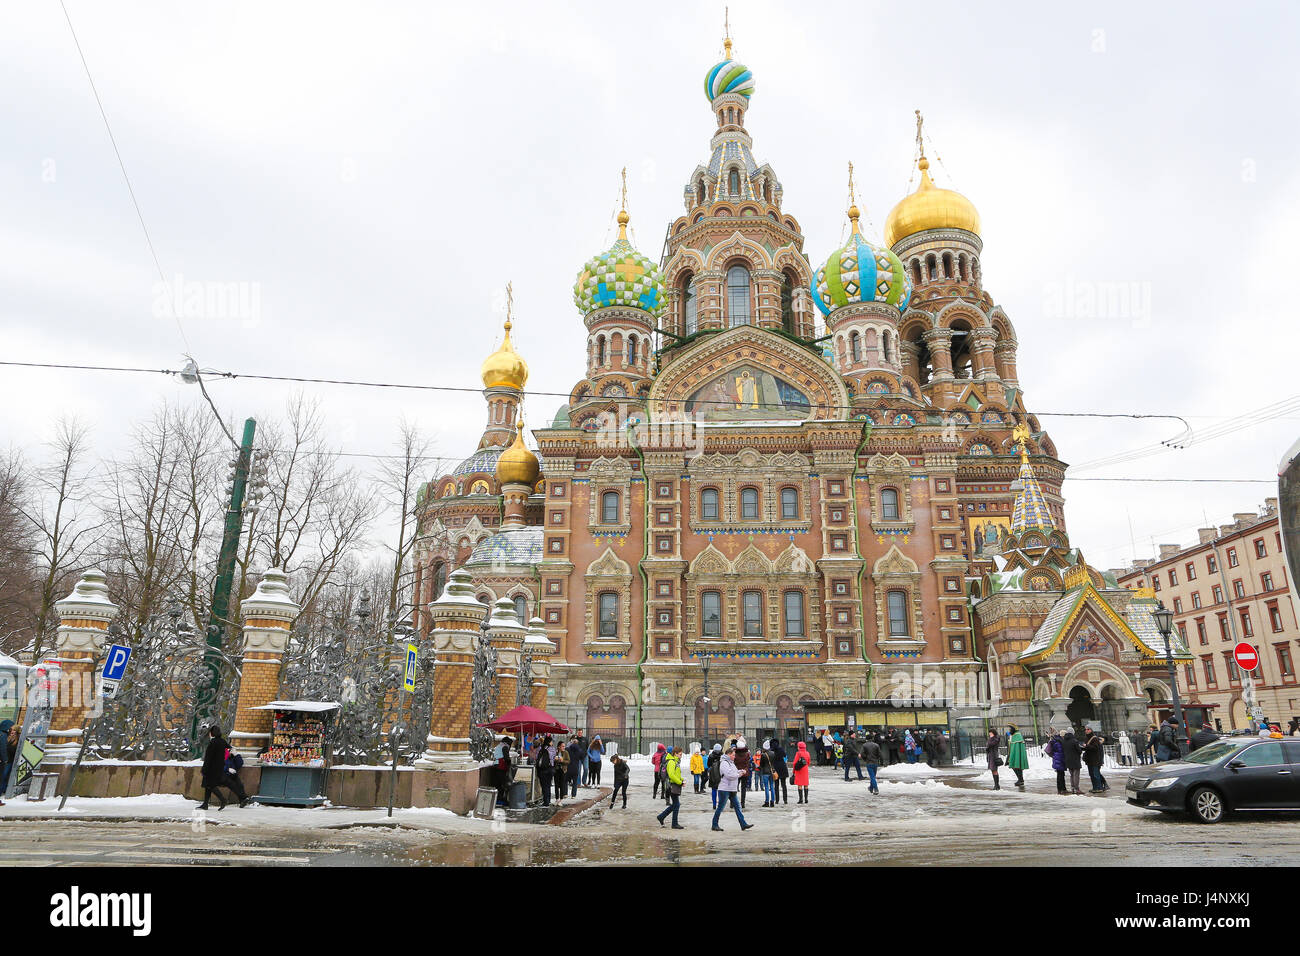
[1245, 656]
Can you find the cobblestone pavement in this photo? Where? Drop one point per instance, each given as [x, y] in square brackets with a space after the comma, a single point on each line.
[920, 818]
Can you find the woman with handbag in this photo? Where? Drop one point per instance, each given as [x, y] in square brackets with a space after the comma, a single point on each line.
[991, 757]
[766, 774]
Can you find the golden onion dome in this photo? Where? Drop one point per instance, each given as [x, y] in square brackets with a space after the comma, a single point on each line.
[930, 208]
[517, 465]
[505, 367]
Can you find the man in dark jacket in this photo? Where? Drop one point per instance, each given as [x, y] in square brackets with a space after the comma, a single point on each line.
[577, 759]
[620, 780]
[891, 747]
[214, 772]
[545, 769]
[1205, 735]
[781, 770]
[584, 770]
[1072, 753]
[1093, 754]
[873, 756]
[1167, 741]
[742, 760]
[852, 754]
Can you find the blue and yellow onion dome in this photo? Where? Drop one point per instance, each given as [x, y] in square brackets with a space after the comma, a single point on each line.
[621, 276]
[859, 272]
[729, 76]
[517, 465]
[504, 367]
[930, 208]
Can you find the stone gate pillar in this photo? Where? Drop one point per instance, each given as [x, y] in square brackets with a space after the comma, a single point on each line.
[539, 647]
[83, 630]
[454, 621]
[506, 635]
[268, 614]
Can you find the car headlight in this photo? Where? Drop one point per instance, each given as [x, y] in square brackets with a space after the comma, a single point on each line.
[1160, 783]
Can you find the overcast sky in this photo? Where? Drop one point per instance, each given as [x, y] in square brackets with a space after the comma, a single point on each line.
[376, 173]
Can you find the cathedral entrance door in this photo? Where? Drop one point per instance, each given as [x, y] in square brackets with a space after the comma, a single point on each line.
[1080, 709]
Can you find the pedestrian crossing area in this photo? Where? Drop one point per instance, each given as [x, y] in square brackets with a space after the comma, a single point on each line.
[84, 843]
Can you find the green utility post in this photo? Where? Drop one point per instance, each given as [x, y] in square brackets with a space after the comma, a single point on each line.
[219, 615]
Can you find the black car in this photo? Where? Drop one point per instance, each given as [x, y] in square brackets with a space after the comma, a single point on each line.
[1228, 775]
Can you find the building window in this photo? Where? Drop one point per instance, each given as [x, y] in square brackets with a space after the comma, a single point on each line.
[1191, 571]
[787, 302]
[738, 311]
[749, 504]
[1234, 672]
[690, 306]
[1232, 557]
[609, 614]
[1173, 577]
[1223, 626]
[631, 351]
[794, 626]
[1209, 671]
[521, 608]
[609, 508]
[733, 177]
[751, 603]
[1155, 582]
[1238, 589]
[855, 347]
[1189, 676]
[1261, 551]
[1266, 581]
[1218, 594]
[889, 504]
[897, 603]
[1211, 564]
[1247, 629]
[1284, 662]
[1196, 599]
[1200, 631]
[789, 503]
[1275, 617]
[711, 614]
[709, 504]
[1178, 605]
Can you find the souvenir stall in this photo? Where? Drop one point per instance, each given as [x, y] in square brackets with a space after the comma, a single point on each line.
[295, 761]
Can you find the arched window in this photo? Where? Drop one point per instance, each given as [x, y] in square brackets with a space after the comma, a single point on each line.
[789, 503]
[947, 265]
[897, 602]
[889, 504]
[794, 625]
[631, 351]
[749, 504]
[609, 508]
[733, 182]
[600, 350]
[709, 504]
[963, 270]
[699, 191]
[889, 352]
[916, 271]
[711, 614]
[439, 580]
[738, 311]
[521, 608]
[751, 603]
[608, 614]
[855, 347]
[731, 115]
[787, 303]
[690, 306]
[931, 267]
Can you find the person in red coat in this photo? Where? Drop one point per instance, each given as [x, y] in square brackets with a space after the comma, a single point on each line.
[799, 771]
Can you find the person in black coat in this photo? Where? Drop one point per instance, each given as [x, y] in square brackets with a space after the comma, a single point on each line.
[1093, 755]
[1205, 735]
[781, 770]
[1073, 755]
[216, 774]
[545, 769]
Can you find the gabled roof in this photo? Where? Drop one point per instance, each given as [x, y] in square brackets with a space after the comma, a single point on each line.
[1135, 624]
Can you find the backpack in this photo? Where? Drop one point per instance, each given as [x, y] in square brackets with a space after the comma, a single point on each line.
[715, 772]
[800, 762]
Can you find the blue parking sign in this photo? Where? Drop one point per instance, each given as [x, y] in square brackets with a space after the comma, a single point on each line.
[411, 653]
[115, 663]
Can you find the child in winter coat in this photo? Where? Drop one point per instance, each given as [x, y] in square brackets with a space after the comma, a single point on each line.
[697, 770]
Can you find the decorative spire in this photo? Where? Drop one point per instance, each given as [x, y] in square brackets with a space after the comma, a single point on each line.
[1030, 509]
[726, 30]
[505, 366]
[853, 203]
[922, 163]
[623, 217]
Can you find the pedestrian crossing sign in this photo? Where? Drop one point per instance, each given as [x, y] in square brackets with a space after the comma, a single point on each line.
[411, 653]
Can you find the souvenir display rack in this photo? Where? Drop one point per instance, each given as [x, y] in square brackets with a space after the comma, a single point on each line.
[296, 758]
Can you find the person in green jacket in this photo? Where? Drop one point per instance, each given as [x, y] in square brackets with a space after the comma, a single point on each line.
[673, 770]
[1017, 755]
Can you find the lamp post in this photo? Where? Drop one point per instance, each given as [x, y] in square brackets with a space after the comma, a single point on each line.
[1165, 622]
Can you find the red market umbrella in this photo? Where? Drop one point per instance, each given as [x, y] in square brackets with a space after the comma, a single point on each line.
[527, 720]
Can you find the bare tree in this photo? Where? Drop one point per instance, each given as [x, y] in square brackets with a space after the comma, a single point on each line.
[399, 482]
[19, 574]
[65, 525]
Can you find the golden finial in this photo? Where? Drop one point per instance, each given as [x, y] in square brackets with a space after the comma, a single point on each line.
[623, 217]
[1020, 435]
[726, 30]
[854, 213]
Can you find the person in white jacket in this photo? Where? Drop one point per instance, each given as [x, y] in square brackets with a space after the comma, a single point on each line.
[727, 789]
[1126, 750]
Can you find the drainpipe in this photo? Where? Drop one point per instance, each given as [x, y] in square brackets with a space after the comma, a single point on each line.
[857, 545]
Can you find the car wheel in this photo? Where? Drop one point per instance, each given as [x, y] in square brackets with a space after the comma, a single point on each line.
[1207, 805]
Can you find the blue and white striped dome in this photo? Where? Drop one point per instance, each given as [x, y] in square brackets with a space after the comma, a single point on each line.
[729, 76]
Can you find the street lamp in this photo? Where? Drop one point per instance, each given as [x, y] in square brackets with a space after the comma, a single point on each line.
[1165, 622]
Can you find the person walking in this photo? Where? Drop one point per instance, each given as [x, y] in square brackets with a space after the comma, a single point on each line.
[730, 777]
[1054, 749]
[873, 756]
[713, 772]
[697, 770]
[766, 775]
[1093, 754]
[1126, 751]
[853, 755]
[782, 772]
[1205, 735]
[828, 742]
[215, 774]
[1073, 758]
[544, 764]
[1017, 755]
[583, 769]
[8, 752]
[621, 773]
[673, 773]
[657, 765]
[993, 757]
[909, 745]
[1167, 741]
[799, 772]
[744, 763]
[577, 760]
[561, 765]
[1149, 749]
[595, 754]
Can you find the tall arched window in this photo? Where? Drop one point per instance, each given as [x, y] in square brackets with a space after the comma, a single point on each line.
[733, 182]
[855, 347]
[794, 626]
[711, 614]
[738, 311]
[787, 303]
[608, 614]
[889, 504]
[897, 602]
[699, 191]
[749, 504]
[751, 603]
[631, 351]
[789, 503]
[889, 352]
[690, 306]
[521, 608]
[600, 350]
[709, 504]
[609, 508]
[439, 580]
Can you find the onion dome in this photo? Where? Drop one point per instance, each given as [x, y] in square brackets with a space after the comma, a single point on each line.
[930, 208]
[729, 76]
[517, 465]
[621, 276]
[860, 272]
[505, 367]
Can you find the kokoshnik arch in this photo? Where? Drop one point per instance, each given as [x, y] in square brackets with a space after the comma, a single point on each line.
[853, 498]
